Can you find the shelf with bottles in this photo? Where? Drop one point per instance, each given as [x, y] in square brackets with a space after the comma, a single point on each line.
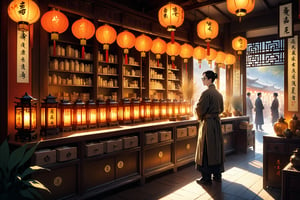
[64, 50]
[107, 82]
[73, 66]
[107, 70]
[69, 79]
[112, 59]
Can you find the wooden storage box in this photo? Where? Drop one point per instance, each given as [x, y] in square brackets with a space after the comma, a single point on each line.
[93, 149]
[45, 156]
[113, 145]
[66, 153]
[164, 135]
[151, 138]
[130, 142]
[181, 132]
[192, 130]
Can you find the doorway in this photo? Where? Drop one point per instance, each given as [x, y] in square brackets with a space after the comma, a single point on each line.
[265, 74]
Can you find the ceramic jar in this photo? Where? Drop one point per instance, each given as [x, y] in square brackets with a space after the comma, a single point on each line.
[295, 158]
[294, 123]
[280, 126]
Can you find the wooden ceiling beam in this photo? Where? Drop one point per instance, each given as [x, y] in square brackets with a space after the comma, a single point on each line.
[202, 4]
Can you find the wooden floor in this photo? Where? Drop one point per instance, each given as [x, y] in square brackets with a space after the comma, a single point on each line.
[242, 180]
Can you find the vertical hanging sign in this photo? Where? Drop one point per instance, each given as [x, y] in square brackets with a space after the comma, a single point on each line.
[286, 28]
[236, 80]
[293, 74]
[22, 57]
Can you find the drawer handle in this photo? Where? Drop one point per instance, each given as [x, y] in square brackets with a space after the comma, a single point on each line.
[96, 150]
[57, 181]
[188, 146]
[68, 155]
[160, 154]
[47, 158]
[120, 164]
[107, 168]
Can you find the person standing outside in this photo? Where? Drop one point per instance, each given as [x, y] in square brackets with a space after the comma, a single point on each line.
[249, 107]
[209, 157]
[274, 108]
[259, 116]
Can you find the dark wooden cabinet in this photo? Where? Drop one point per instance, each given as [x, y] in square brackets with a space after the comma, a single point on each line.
[276, 155]
[290, 183]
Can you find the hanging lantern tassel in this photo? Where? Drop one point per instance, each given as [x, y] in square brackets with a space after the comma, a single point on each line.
[172, 36]
[126, 58]
[106, 47]
[54, 48]
[199, 62]
[157, 58]
[208, 48]
[82, 42]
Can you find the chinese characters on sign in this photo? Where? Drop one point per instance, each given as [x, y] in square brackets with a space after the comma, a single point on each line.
[293, 74]
[23, 57]
[236, 80]
[285, 20]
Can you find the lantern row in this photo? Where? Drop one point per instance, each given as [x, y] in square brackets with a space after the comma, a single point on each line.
[170, 16]
[67, 116]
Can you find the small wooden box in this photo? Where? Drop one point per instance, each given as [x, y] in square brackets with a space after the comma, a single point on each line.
[45, 156]
[164, 135]
[113, 145]
[151, 138]
[93, 149]
[192, 130]
[130, 142]
[181, 132]
[66, 153]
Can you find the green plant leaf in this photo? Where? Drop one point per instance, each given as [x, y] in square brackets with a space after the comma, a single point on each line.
[4, 154]
[27, 194]
[36, 184]
[32, 169]
[28, 154]
[16, 157]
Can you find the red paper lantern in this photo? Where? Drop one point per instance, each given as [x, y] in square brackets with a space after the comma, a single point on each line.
[54, 22]
[199, 54]
[186, 52]
[207, 30]
[143, 43]
[173, 49]
[171, 16]
[239, 44]
[24, 12]
[210, 57]
[126, 41]
[229, 59]
[159, 47]
[83, 29]
[106, 35]
[220, 58]
[240, 7]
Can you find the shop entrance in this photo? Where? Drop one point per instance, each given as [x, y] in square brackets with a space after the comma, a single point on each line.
[265, 74]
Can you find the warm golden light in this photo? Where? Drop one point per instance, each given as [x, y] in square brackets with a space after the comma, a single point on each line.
[83, 29]
[24, 12]
[143, 44]
[207, 30]
[67, 115]
[220, 58]
[211, 56]
[240, 7]
[114, 114]
[186, 52]
[102, 114]
[126, 41]
[106, 35]
[239, 44]
[159, 47]
[229, 59]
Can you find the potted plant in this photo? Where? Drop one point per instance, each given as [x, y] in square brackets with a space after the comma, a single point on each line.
[15, 179]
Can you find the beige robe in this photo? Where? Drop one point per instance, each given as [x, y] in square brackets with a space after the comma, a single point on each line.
[210, 104]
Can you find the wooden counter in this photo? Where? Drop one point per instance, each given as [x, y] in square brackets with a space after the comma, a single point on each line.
[110, 157]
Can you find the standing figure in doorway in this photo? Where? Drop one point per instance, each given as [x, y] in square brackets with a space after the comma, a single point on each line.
[209, 157]
[249, 107]
[259, 116]
[274, 108]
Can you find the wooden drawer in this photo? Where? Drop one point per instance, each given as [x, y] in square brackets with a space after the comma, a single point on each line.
[97, 172]
[66, 153]
[185, 148]
[130, 142]
[93, 149]
[44, 156]
[164, 135]
[113, 145]
[192, 130]
[127, 164]
[181, 132]
[61, 182]
[157, 156]
[276, 147]
[151, 138]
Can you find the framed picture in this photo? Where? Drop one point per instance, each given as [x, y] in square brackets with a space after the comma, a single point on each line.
[285, 25]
